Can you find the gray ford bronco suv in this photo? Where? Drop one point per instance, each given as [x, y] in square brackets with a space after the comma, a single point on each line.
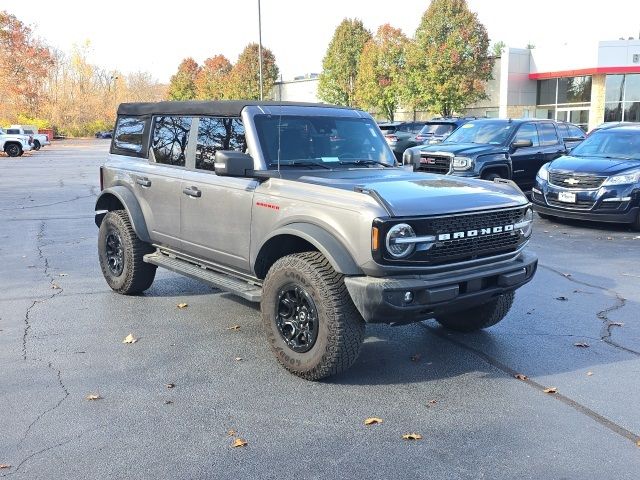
[301, 207]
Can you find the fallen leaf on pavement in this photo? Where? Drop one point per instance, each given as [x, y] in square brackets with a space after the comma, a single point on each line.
[412, 436]
[416, 357]
[55, 286]
[182, 305]
[609, 238]
[520, 376]
[168, 402]
[93, 396]
[581, 345]
[5, 465]
[170, 385]
[234, 327]
[566, 275]
[373, 421]
[130, 339]
[589, 374]
[562, 299]
[616, 324]
[637, 444]
[550, 390]
[239, 442]
[63, 274]
[231, 432]
[238, 359]
[433, 402]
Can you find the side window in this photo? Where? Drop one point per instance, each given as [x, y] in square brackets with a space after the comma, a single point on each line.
[129, 134]
[576, 131]
[218, 134]
[548, 134]
[170, 136]
[528, 131]
[563, 130]
[403, 128]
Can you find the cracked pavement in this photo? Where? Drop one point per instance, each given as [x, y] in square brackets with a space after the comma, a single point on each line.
[61, 332]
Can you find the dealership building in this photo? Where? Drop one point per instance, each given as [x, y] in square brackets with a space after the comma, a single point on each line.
[583, 84]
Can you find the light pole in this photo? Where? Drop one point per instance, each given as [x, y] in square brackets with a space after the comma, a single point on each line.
[260, 49]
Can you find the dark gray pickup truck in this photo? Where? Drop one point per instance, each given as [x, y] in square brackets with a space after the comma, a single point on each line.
[301, 207]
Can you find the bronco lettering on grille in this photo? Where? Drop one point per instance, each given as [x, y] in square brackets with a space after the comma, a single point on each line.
[475, 233]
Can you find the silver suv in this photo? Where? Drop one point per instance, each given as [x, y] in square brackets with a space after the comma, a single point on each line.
[301, 207]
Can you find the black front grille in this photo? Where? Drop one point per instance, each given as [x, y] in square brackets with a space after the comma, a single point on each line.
[578, 204]
[576, 181]
[434, 164]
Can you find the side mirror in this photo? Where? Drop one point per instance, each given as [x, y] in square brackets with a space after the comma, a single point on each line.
[229, 163]
[521, 144]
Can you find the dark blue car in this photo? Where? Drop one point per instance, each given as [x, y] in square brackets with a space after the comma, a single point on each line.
[599, 181]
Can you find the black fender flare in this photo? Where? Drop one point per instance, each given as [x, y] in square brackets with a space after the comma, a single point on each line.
[332, 248]
[105, 202]
[495, 161]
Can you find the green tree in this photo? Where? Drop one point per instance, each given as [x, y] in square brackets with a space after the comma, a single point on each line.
[337, 82]
[182, 85]
[379, 79]
[244, 77]
[498, 48]
[211, 80]
[448, 64]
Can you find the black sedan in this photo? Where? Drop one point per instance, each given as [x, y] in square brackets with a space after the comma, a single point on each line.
[599, 181]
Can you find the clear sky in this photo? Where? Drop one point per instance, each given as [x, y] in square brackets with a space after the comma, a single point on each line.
[154, 36]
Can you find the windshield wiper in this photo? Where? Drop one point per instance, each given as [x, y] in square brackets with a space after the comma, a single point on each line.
[301, 163]
[364, 162]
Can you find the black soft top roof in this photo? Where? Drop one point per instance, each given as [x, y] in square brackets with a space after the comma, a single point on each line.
[223, 108]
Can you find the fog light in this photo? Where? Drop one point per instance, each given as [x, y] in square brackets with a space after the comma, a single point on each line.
[408, 297]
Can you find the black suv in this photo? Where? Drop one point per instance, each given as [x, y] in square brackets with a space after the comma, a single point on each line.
[439, 128]
[494, 148]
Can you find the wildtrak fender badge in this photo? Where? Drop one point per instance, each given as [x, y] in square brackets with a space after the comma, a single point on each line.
[476, 233]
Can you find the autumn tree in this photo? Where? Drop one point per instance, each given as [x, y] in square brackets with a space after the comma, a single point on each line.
[244, 77]
[182, 85]
[211, 81]
[24, 65]
[448, 63]
[379, 79]
[337, 83]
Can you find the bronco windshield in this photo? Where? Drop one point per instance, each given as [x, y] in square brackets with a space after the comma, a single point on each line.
[322, 141]
[615, 143]
[485, 132]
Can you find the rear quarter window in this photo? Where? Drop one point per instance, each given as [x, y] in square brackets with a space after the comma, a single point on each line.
[129, 135]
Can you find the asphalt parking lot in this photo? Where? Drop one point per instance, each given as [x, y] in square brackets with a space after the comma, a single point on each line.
[169, 400]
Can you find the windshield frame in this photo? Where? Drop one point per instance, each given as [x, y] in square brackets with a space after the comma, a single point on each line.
[599, 136]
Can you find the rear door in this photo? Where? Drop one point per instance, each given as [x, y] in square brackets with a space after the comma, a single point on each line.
[158, 185]
[525, 161]
[552, 144]
[216, 211]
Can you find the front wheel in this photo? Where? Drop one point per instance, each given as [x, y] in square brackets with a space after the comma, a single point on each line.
[636, 224]
[121, 255]
[311, 323]
[490, 177]
[13, 150]
[477, 318]
[544, 216]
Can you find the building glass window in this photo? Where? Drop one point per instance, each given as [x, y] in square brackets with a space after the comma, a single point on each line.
[574, 89]
[622, 97]
[547, 91]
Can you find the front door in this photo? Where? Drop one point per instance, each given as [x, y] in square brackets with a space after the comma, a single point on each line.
[216, 210]
[525, 161]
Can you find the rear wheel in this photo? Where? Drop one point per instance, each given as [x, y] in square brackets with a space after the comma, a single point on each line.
[311, 323]
[477, 318]
[36, 145]
[121, 255]
[13, 150]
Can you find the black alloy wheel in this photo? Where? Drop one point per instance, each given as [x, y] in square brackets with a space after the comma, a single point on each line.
[114, 253]
[12, 150]
[297, 318]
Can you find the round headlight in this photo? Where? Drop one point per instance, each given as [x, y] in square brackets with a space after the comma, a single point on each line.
[396, 242]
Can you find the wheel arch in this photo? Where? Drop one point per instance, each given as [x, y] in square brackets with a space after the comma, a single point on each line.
[300, 237]
[121, 198]
[496, 165]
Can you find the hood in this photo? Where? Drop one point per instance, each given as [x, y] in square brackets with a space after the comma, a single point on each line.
[594, 165]
[466, 149]
[405, 193]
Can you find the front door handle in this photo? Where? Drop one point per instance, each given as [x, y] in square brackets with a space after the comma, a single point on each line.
[143, 181]
[192, 192]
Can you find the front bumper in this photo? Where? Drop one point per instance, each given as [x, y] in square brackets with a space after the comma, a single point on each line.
[382, 300]
[611, 204]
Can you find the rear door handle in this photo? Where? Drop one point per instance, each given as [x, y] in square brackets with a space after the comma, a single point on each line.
[192, 192]
[144, 182]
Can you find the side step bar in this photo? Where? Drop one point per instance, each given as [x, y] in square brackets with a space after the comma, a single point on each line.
[225, 282]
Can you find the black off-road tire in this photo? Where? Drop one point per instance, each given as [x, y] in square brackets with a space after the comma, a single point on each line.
[340, 326]
[13, 150]
[477, 318]
[636, 224]
[491, 176]
[136, 275]
[36, 145]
